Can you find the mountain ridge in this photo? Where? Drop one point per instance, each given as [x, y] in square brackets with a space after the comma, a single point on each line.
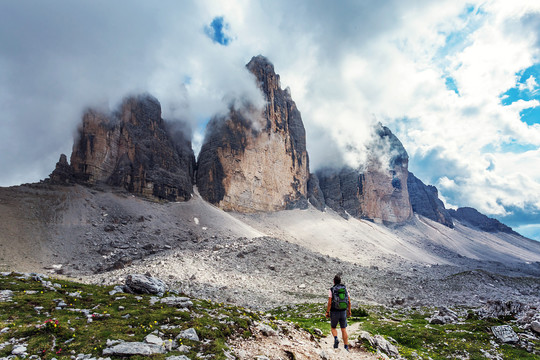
[251, 160]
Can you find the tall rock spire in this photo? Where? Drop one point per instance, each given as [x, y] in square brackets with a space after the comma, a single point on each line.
[378, 192]
[256, 160]
[136, 149]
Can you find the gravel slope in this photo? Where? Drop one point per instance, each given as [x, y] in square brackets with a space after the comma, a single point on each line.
[259, 260]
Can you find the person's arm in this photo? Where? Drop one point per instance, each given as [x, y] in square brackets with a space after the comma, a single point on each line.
[328, 307]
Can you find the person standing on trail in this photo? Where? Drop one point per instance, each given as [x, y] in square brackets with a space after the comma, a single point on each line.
[338, 310]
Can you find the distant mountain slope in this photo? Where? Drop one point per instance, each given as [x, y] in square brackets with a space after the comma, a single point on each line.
[473, 217]
[425, 201]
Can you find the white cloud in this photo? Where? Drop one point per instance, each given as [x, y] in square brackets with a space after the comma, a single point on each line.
[530, 84]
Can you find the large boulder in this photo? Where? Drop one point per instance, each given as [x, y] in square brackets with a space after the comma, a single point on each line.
[134, 148]
[144, 284]
[379, 343]
[505, 334]
[425, 201]
[256, 161]
[377, 191]
[444, 316]
[498, 308]
[535, 326]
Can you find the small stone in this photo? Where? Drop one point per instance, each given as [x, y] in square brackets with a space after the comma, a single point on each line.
[535, 326]
[266, 330]
[189, 334]
[153, 339]
[18, 350]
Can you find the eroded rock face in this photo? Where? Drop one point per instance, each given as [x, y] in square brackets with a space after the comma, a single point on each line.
[380, 191]
[136, 149]
[425, 201]
[63, 173]
[252, 161]
[315, 194]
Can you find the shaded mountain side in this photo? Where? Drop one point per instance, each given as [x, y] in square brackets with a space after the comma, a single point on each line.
[472, 217]
[253, 160]
[380, 191]
[425, 201]
[133, 148]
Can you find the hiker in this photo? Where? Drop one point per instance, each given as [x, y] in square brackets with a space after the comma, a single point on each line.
[338, 310]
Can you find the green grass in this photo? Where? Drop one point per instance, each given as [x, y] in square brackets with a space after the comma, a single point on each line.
[50, 332]
[60, 333]
[417, 339]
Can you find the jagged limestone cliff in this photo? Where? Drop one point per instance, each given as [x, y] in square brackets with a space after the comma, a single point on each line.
[134, 148]
[425, 201]
[254, 160]
[377, 192]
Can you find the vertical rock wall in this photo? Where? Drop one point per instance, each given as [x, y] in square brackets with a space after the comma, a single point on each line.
[134, 148]
[379, 192]
[252, 161]
[425, 201]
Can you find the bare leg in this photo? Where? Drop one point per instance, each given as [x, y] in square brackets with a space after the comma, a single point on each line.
[344, 335]
[334, 332]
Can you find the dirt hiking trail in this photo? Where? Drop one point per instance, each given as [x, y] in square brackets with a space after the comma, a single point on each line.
[327, 345]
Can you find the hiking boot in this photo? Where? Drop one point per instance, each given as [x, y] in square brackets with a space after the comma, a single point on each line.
[347, 348]
[336, 343]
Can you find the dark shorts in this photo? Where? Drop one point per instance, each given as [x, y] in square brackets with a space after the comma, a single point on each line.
[338, 316]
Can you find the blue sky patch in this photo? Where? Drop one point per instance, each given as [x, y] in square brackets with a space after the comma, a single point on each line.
[451, 84]
[530, 116]
[509, 147]
[526, 86]
[457, 41]
[217, 31]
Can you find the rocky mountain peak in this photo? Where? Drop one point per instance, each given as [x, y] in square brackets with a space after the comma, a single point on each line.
[244, 168]
[140, 110]
[133, 148]
[379, 190]
[263, 70]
